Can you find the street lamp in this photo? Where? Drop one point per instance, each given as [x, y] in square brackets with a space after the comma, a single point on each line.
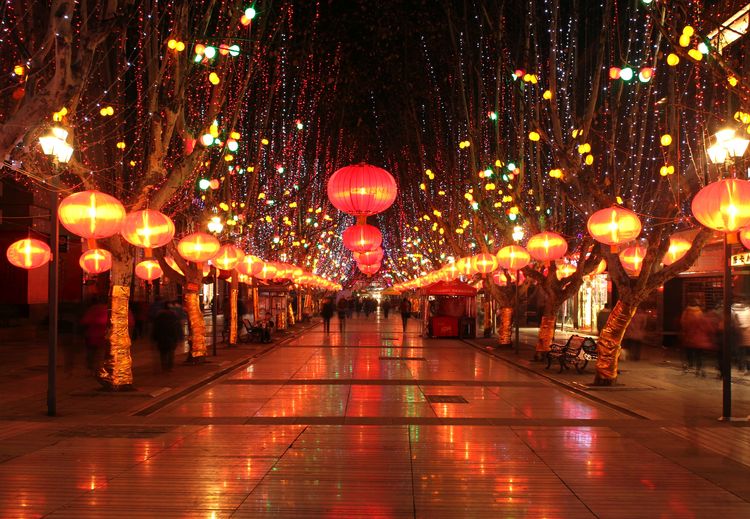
[55, 146]
[726, 149]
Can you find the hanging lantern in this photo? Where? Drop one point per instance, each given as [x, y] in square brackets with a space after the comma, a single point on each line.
[362, 190]
[149, 270]
[173, 265]
[745, 238]
[148, 229]
[28, 253]
[464, 266]
[678, 247]
[369, 269]
[600, 268]
[283, 271]
[369, 257]
[632, 259]
[723, 205]
[614, 225]
[484, 263]
[450, 272]
[513, 257]
[250, 265]
[564, 270]
[362, 238]
[500, 279]
[95, 261]
[266, 272]
[547, 246]
[228, 257]
[91, 214]
[198, 247]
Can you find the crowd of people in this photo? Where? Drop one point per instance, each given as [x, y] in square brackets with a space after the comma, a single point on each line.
[345, 308]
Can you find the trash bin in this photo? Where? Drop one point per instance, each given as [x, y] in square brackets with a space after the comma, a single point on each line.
[467, 328]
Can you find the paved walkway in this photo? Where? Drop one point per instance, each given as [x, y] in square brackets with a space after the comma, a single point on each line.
[372, 423]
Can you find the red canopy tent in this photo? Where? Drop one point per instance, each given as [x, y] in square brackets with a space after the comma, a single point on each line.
[450, 288]
[450, 309]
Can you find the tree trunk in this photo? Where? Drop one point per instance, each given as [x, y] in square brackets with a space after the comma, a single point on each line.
[608, 344]
[546, 335]
[233, 318]
[505, 328]
[116, 373]
[197, 327]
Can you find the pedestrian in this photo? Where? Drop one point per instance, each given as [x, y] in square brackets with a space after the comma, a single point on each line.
[265, 325]
[386, 306]
[167, 333]
[358, 306]
[94, 322]
[342, 307]
[601, 317]
[697, 332]
[741, 314]
[326, 312]
[405, 309]
[635, 334]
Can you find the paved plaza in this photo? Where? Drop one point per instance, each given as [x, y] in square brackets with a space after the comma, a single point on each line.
[372, 423]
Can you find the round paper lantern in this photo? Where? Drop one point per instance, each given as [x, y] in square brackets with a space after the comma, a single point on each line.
[513, 257]
[362, 238]
[173, 265]
[228, 257]
[745, 237]
[600, 268]
[148, 270]
[632, 259]
[28, 253]
[283, 271]
[147, 228]
[614, 225]
[266, 272]
[198, 247]
[95, 261]
[250, 265]
[500, 279]
[484, 263]
[464, 266]
[362, 190]
[724, 205]
[369, 269]
[564, 270]
[91, 214]
[450, 272]
[369, 257]
[678, 247]
[547, 246]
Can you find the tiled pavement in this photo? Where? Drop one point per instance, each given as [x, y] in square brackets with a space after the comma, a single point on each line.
[362, 425]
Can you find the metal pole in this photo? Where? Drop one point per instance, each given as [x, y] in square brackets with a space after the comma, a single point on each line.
[52, 290]
[518, 341]
[214, 307]
[726, 347]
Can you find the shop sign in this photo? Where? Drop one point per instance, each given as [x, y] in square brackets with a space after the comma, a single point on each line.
[740, 260]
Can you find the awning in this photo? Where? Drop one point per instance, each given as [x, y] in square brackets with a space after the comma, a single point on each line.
[450, 288]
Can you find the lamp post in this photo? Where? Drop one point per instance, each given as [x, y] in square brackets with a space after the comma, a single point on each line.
[55, 147]
[726, 150]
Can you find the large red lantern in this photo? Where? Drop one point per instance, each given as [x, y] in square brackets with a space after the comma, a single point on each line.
[499, 277]
[362, 238]
[148, 270]
[91, 214]
[250, 265]
[513, 257]
[362, 190]
[723, 205]
[745, 238]
[369, 269]
[228, 257]
[198, 247]
[484, 263]
[678, 247]
[464, 267]
[148, 229]
[95, 261]
[28, 253]
[614, 225]
[266, 272]
[632, 259]
[564, 270]
[369, 257]
[547, 246]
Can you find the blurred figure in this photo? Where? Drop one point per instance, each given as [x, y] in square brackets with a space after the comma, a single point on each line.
[405, 309]
[698, 334]
[741, 314]
[265, 325]
[351, 306]
[94, 322]
[342, 307]
[167, 333]
[368, 306]
[635, 334]
[358, 305]
[601, 317]
[386, 306]
[326, 312]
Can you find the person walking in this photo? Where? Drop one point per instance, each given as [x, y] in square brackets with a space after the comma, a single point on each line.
[635, 335]
[167, 334]
[341, 308]
[405, 309]
[697, 333]
[326, 312]
[386, 306]
[94, 322]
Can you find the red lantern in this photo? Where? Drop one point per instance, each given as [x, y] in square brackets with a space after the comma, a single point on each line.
[362, 238]
[369, 257]
[614, 225]
[250, 265]
[148, 270]
[450, 272]
[464, 266]
[632, 259]
[547, 246]
[499, 277]
[198, 247]
[95, 261]
[723, 205]
[228, 257]
[745, 238]
[173, 265]
[266, 272]
[148, 229]
[513, 257]
[91, 214]
[28, 253]
[283, 271]
[678, 247]
[484, 263]
[369, 269]
[362, 190]
[600, 268]
[564, 270]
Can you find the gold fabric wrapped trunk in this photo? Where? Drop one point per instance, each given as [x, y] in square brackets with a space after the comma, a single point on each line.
[116, 371]
[546, 334]
[610, 338]
[505, 327]
[233, 322]
[197, 325]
